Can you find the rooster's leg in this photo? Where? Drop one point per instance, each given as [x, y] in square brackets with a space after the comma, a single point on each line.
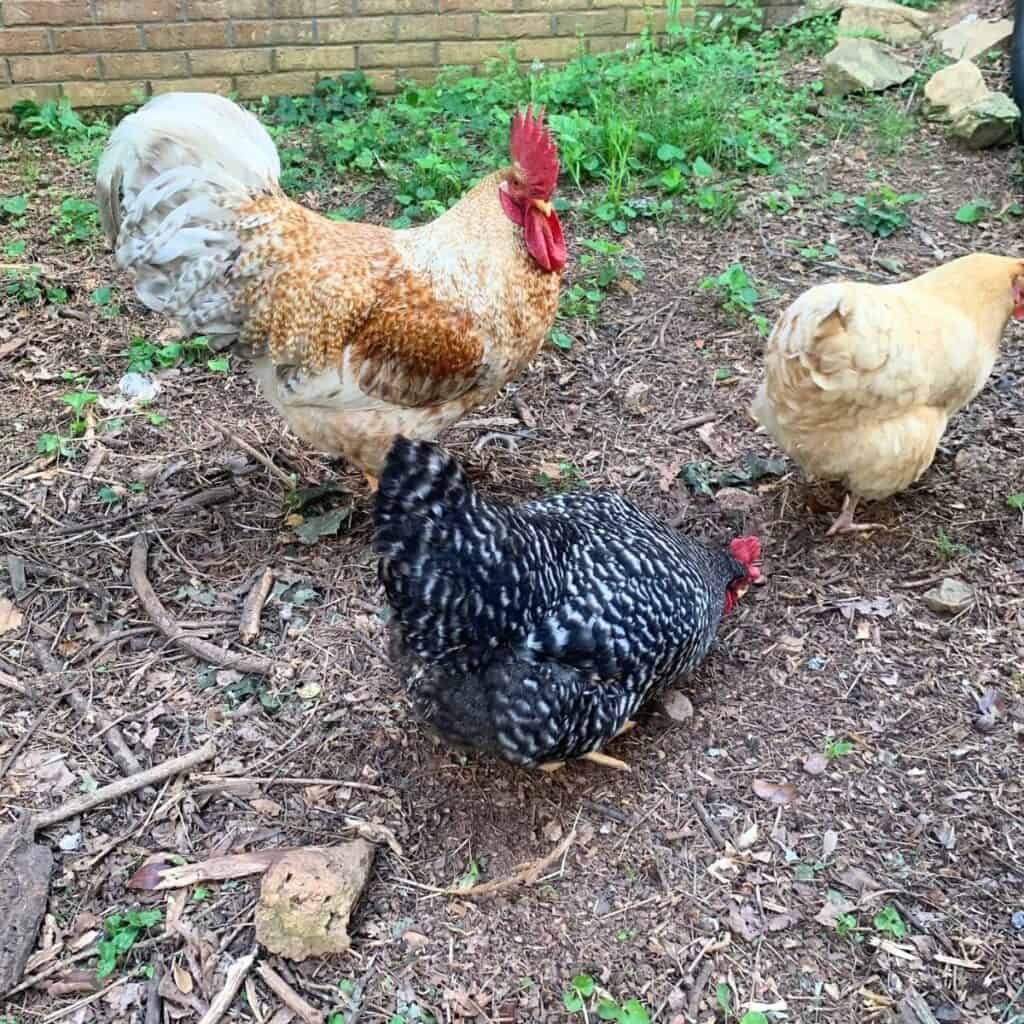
[371, 482]
[845, 523]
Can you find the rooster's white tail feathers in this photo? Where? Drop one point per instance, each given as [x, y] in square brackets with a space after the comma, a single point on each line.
[166, 185]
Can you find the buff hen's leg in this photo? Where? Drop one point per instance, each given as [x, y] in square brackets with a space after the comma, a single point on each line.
[845, 524]
[371, 482]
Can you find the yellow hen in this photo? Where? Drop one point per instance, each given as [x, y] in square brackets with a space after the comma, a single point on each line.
[861, 379]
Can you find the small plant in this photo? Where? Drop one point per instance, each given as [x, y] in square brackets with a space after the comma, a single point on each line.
[13, 208]
[79, 402]
[122, 931]
[56, 120]
[570, 478]
[602, 263]
[77, 220]
[889, 920]
[837, 748]
[1016, 501]
[143, 356]
[735, 292]
[54, 444]
[881, 212]
[948, 548]
[583, 988]
[972, 212]
[846, 924]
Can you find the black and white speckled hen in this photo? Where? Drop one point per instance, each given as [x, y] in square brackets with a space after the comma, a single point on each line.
[535, 631]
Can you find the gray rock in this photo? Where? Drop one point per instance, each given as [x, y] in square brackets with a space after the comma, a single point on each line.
[970, 38]
[25, 870]
[949, 597]
[990, 121]
[862, 65]
[950, 90]
[895, 23]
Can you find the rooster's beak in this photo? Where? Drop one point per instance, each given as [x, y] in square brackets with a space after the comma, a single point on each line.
[544, 206]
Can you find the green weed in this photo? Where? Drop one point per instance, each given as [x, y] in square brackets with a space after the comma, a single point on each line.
[143, 356]
[601, 264]
[77, 220]
[881, 212]
[122, 932]
[56, 121]
[948, 548]
[736, 293]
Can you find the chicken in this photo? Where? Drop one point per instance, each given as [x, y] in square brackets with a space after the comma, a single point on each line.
[356, 333]
[861, 379]
[535, 631]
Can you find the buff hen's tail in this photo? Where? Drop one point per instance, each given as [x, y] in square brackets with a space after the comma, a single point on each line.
[167, 184]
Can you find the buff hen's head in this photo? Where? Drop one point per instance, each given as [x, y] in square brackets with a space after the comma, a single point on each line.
[526, 194]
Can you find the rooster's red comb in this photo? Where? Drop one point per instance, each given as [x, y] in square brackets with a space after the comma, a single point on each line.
[535, 152]
[747, 551]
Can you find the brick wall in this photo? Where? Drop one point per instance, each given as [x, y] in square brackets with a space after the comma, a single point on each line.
[106, 52]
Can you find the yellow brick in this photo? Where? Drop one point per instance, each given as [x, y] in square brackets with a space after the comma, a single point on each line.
[514, 26]
[269, 33]
[637, 21]
[591, 22]
[46, 12]
[217, 85]
[381, 80]
[548, 49]
[635, 4]
[195, 35]
[55, 67]
[436, 26]
[459, 54]
[230, 62]
[24, 40]
[420, 76]
[396, 55]
[295, 83]
[311, 8]
[218, 10]
[317, 58]
[395, 6]
[91, 40]
[11, 94]
[484, 6]
[356, 30]
[146, 65]
[104, 94]
[607, 44]
[138, 10]
[554, 6]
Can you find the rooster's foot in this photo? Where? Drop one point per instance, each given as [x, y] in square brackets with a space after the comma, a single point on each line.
[510, 441]
[845, 523]
[371, 482]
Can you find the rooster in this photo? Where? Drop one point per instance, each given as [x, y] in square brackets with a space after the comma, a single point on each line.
[535, 631]
[862, 379]
[356, 333]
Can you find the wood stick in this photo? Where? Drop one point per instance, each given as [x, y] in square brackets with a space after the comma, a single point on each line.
[208, 778]
[252, 608]
[262, 459]
[288, 995]
[154, 1003]
[8, 682]
[28, 733]
[355, 1000]
[713, 830]
[202, 649]
[232, 983]
[153, 877]
[159, 772]
[698, 989]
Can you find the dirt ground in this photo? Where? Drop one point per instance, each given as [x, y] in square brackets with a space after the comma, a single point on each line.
[680, 878]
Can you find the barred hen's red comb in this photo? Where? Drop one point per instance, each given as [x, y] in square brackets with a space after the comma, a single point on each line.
[747, 551]
[535, 152]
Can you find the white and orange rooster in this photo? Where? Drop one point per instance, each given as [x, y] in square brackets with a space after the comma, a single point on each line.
[862, 379]
[356, 333]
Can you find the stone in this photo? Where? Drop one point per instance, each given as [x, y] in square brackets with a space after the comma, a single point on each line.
[971, 37]
[813, 9]
[862, 65]
[307, 897]
[949, 597]
[991, 121]
[896, 24]
[953, 88]
[25, 869]
[735, 499]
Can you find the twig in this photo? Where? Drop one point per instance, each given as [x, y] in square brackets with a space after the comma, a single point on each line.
[284, 780]
[914, 1009]
[918, 922]
[288, 995]
[697, 421]
[262, 459]
[122, 787]
[252, 608]
[668, 319]
[155, 876]
[713, 830]
[698, 989]
[232, 983]
[77, 1005]
[8, 682]
[203, 649]
[28, 733]
[154, 1004]
[355, 1000]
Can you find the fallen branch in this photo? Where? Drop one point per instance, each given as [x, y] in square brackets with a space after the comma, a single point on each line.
[262, 459]
[202, 649]
[698, 990]
[123, 787]
[355, 1000]
[119, 750]
[8, 682]
[252, 608]
[288, 995]
[209, 781]
[697, 421]
[232, 983]
[705, 818]
[154, 876]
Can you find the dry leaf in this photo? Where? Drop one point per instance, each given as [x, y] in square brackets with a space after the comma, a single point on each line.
[857, 880]
[833, 909]
[743, 921]
[182, 979]
[707, 434]
[668, 473]
[270, 808]
[780, 922]
[781, 793]
[414, 939]
[829, 841]
[815, 764]
[633, 398]
[747, 838]
[10, 617]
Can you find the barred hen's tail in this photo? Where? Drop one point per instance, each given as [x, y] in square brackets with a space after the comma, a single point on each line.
[166, 186]
[441, 546]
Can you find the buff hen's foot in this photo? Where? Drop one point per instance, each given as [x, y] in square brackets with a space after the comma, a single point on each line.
[845, 523]
[371, 482]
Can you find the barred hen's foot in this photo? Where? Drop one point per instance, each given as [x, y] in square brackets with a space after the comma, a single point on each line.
[551, 766]
[510, 441]
[606, 762]
[845, 523]
[371, 482]
[630, 724]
